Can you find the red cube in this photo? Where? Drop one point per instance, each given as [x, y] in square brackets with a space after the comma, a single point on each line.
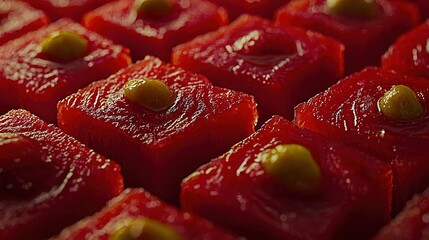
[279, 67]
[411, 223]
[18, 18]
[138, 205]
[409, 54]
[365, 38]
[31, 80]
[153, 35]
[157, 149]
[350, 112]
[48, 179]
[264, 8]
[235, 190]
[75, 9]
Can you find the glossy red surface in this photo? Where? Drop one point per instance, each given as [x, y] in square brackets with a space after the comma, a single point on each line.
[18, 18]
[365, 39]
[75, 9]
[81, 184]
[348, 112]
[411, 223]
[30, 80]
[234, 190]
[264, 8]
[135, 203]
[410, 53]
[145, 36]
[158, 149]
[280, 67]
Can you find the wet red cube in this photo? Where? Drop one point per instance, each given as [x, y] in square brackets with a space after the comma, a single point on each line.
[264, 8]
[237, 190]
[153, 33]
[33, 80]
[48, 179]
[75, 9]
[18, 18]
[279, 67]
[157, 149]
[134, 206]
[411, 223]
[366, 35]
[409, 54]
[354, 112]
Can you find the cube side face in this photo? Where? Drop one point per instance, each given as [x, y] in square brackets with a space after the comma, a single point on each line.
[18, 18]
[158, 149]
[146, 36]
[236, 191]
[33, 81]
[264, 8]
[408, 55]
[75, 9]
[410, 223]
[270, 63]
[136, 203]
[79, 186]
[365, 40]
[353, 117]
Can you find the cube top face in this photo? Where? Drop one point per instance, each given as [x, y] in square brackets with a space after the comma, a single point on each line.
[257, 52]
[17, 18]
[196, 101]
[355, 108]
[68, 170]
[136, 203]
[410, 53]
[24, 65]
[238, 179]
[263, 8]
[184, 16]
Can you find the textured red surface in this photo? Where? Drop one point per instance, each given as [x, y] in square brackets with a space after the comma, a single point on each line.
[264, 8]
[81, 184]
[29, 80]
[18, 18]
[135, 203]
[74, 9]
[410, 224]
[365, 39]
[157, 149]
[348, 112]
[234, 190]
[409, 54]
[144, 36]
[280, 67]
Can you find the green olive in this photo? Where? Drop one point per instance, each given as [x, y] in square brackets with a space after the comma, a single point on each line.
[401, 103]
[353, 8]
[144, 229]
[294, 166]
[154, 8]
[64, 46]
[150, 93]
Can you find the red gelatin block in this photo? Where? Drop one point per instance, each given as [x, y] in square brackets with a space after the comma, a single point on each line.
[31, 80]
[410, 53]
[351, 202]
[156, 150]
[135, 204]
[349, 112]
[48, 180]
[365, 39]
[411, 224]
[74, 9]
[280, 67]
[264, 8]
[148, 35]
[18, 18]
